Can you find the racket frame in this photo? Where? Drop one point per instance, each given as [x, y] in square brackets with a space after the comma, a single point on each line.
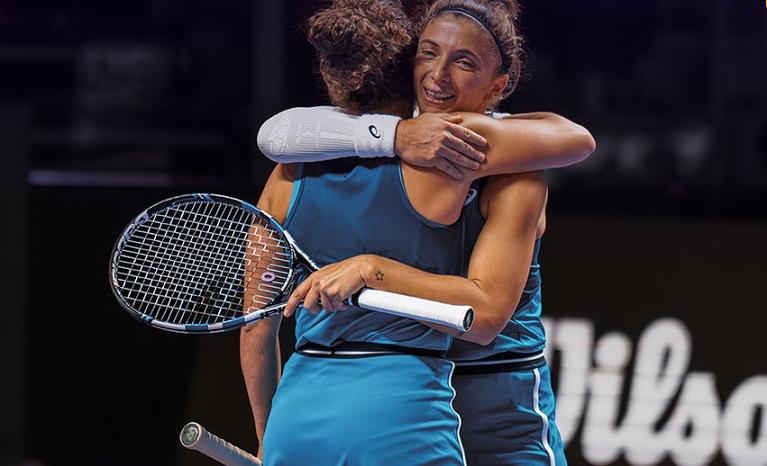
[366, 298]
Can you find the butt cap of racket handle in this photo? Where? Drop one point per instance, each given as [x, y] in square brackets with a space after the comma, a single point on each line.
[468, 320]
[190, 434]
[195, 437]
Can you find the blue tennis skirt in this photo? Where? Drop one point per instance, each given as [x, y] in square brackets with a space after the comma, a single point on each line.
[377, 410]
[509, 418]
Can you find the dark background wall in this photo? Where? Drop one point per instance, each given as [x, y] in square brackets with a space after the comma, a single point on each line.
[653, 261]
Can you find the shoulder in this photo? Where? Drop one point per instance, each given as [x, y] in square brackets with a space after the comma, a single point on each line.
[282, 172]
[275, 197]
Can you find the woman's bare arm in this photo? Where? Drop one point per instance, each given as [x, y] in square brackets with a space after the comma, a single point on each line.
[259, 348]
[529, 142]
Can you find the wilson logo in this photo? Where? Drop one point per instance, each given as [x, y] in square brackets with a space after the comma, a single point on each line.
[639, 403]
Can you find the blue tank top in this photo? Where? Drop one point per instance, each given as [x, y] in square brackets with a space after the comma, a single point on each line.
[524, 333]
[343, 208]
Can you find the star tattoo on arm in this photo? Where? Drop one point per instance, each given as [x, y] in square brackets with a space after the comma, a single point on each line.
[379, 276]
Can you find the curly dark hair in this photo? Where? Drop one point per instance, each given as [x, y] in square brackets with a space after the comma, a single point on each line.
[365, 51]
[500, 18]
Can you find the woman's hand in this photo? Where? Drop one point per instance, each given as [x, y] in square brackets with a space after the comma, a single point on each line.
[437, 140]
[328, 288]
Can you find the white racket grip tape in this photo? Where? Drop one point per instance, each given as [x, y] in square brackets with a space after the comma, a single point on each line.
[195, 437]
[459, 317]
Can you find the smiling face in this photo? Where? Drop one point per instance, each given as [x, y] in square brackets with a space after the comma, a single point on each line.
[456, 66]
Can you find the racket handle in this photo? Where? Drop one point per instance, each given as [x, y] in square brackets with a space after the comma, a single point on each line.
[458, 317]
[195, 437]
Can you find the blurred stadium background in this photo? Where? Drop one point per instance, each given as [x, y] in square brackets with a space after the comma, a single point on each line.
[653, 262]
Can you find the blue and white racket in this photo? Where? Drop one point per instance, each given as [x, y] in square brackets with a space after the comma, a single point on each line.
[205, 263]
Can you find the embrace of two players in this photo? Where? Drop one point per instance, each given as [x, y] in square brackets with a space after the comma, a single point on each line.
[377, 195]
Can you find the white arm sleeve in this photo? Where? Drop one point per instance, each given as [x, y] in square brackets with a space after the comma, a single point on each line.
[310, 134]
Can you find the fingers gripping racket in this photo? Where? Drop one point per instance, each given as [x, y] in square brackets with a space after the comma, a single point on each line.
[205, 263]
[195, 437]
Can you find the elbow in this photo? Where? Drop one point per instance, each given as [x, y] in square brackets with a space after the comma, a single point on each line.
[582, 142]
[586, 144]
[576, 146]
[573, 139]
[487, 325]
[492, 310]
[263, 141]
[271, 136]
[492, 332]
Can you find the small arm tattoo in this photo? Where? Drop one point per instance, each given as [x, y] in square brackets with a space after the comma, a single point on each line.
[379, 276]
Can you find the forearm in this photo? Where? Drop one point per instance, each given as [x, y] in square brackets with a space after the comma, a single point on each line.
[530, 142]
[260, 364]
[310, 134]
[491, 304]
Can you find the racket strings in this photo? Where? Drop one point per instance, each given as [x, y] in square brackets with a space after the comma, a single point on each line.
[174, 240]
[195, 263]
[269, 266]
[207, 235]
[188, 250]
[235, 275]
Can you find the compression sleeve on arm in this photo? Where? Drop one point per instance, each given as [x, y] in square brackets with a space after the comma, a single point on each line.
[310, 134]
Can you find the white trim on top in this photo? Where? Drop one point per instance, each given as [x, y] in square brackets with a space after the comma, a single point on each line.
[458, 430]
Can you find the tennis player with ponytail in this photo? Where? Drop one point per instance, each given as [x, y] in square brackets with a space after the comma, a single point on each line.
[467, 60]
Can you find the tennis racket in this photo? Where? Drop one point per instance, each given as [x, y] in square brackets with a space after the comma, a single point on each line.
[206, 263]
[195, 437]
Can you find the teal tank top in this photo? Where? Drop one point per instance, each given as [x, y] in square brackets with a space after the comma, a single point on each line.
[343, 208]
[524, 332]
